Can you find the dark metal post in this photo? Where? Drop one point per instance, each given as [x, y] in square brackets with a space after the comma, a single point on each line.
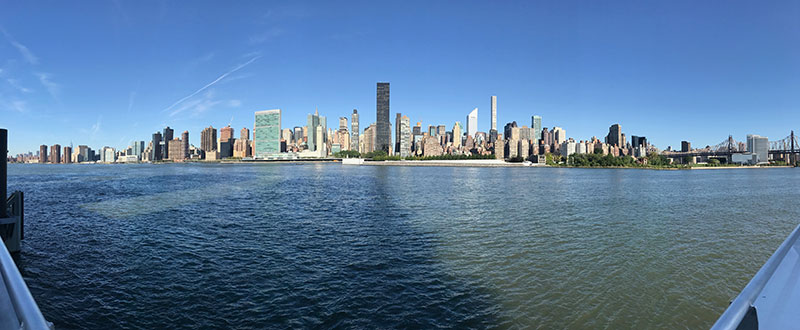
[3, 172]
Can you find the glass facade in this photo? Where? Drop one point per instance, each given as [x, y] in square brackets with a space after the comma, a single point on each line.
[267, 133]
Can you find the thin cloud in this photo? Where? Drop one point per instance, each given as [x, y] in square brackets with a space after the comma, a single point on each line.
[212, 83]
[23, 50]
[202, 104]
[266, 35]
[16, 105]
[53, 88]
[15, 83]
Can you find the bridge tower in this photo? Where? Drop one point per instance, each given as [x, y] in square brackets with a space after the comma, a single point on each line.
[793, 155]
[730, 149]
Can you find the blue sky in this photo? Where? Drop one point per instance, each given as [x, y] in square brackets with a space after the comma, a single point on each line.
[109, 72]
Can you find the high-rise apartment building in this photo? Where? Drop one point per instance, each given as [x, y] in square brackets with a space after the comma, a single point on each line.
[494, 113]
[55, 154]
[175, 147]
[208, 139]
[185, 145]
[383, 135]
[559, 135]
[43, 154]
[405, 137]
[536, 126]
[472, 123]
[267, 133]
[397, 119]
[457, 132]
[686, 146]
[67, 158]
[354, 143]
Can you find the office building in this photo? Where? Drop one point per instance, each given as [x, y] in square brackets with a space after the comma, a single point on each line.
[457, 132]
[536, 126]
[156, 151]
[315, 121]
[55, 154]
[166, 137]
[614, 136]
[267, 133]
[686, 146]
[758, 146]
[383, 136]
[472, 123]
[637, 141]
[137, 148]
[108, 155]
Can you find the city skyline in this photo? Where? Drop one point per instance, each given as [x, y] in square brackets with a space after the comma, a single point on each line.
[582, 67]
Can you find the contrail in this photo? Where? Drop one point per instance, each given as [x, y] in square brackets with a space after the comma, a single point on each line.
[239, 67]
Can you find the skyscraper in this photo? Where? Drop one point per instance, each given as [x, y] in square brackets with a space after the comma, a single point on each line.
[208, 139]
[167, 136]
[494, 113]
[383, 135]
[472, 122]
[55, 154]
[759, 146]
[614, 136]
[354, 131]
[637, 141]
[536, 125]
[185, 145]
[43, 154]
[405, 137]
[267, 133]
[137, 148]
[457, 134]
[156, 147]
[67, 158]
[314, 121]
[397, 133]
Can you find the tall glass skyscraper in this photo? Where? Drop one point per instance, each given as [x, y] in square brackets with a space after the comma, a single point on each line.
[472, 122]
[383, 136]
[354, 130]
[314, 121]
[267, 133]
[536, 125]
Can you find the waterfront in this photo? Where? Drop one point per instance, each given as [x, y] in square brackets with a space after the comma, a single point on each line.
[302, 245]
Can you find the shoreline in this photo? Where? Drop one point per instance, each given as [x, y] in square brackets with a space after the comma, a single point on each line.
[427, 163]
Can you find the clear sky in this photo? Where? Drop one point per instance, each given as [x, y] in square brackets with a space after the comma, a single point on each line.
[104, 73]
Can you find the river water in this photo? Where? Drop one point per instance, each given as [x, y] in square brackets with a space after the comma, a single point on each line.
[327, 245]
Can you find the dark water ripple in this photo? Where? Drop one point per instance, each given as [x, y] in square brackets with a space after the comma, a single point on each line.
[327, 246]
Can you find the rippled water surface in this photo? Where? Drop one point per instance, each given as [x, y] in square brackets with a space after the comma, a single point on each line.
[326, 245]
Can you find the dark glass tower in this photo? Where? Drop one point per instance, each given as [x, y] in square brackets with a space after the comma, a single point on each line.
[383, 137]
[168, 132]
[156, 152]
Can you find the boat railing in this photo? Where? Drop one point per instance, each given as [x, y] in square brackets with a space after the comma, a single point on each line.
[742, 309]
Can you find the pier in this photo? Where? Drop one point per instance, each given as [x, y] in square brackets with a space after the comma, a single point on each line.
[18, 309]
